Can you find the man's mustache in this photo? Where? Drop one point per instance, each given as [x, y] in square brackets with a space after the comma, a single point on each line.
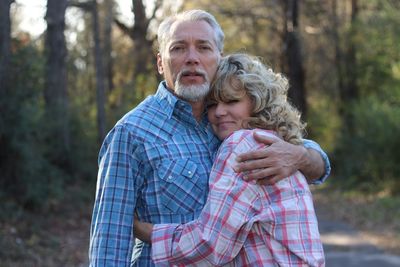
[191, 72]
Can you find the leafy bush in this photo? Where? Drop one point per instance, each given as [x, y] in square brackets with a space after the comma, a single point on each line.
[369, 157]
[34, 170]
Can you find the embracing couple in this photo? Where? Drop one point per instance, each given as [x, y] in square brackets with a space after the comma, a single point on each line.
[213, 169]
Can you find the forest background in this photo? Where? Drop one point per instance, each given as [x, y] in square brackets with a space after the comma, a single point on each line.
[62, 91]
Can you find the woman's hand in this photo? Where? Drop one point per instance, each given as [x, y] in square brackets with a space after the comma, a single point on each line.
[142, 230]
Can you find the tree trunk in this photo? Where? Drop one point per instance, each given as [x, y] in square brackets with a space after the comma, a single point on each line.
[336, 41]
[348, 90]
[142, 46]
[143, 60]
[5, 55]
[293, 63]
[107, 45]
[55, 92]
[100, 77]
[5, 47]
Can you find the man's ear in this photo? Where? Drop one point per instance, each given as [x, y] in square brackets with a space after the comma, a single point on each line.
[159, 64]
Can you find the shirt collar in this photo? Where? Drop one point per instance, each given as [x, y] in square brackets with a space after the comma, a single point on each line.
[173, 104]
[166, 99]
[182, 109]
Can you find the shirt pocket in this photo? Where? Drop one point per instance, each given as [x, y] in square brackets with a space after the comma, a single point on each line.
[182, 190]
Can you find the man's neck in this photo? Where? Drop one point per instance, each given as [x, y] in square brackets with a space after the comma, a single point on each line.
[198, 109]
[197, 106]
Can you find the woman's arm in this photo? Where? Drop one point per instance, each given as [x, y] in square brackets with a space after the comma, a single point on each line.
[219, 233]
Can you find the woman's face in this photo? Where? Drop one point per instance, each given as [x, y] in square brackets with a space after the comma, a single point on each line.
[227, 117]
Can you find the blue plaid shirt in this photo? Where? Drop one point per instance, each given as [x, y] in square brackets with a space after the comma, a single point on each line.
[155, 162]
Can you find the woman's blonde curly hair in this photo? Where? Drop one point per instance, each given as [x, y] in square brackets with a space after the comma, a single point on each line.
[241, 74]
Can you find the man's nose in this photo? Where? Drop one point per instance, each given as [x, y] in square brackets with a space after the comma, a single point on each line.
[192, 56]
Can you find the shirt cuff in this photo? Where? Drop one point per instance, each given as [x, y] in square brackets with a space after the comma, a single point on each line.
[309, 144]
[161, 243]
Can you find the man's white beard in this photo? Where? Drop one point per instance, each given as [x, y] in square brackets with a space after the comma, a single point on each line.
[192, 93]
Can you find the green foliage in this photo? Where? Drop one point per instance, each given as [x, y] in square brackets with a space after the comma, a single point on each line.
[24, 168]
[368, 158]
[379, 52]
[323, 121]
[367, 155]
[32, 175]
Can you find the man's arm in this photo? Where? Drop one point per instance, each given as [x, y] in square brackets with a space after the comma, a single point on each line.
[281, 159]
[111, 233]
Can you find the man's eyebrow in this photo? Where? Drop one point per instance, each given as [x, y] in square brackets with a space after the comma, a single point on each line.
[178, 41]
[197, 41]
[205, 41]
[175, 42]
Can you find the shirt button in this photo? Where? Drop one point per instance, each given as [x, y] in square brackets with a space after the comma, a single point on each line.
[189, 172]
[170, 177]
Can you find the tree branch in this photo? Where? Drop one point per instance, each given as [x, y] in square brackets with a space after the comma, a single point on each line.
[122, 26]
[86, 6]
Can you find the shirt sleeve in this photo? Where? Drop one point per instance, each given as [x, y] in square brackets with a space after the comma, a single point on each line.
[216, 237]
[111, 232]
[313, 145]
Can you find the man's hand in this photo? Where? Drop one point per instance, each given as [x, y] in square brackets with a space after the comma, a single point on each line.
[277, 161]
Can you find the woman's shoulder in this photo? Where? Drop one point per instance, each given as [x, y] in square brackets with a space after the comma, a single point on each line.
[247, 134]
[243, 140]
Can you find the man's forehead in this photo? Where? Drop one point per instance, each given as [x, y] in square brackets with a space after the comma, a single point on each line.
[191, 30]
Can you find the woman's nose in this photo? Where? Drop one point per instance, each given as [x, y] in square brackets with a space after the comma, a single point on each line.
[220, 110]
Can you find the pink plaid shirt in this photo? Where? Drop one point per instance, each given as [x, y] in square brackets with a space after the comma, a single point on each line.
[244, 224]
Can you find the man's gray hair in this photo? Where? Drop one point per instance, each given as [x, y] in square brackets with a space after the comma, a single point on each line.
[163, 34]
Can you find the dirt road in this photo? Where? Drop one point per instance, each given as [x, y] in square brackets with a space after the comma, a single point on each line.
[347, 247]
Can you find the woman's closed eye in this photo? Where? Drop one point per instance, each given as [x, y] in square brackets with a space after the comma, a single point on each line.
[233, 101]
[211, 104]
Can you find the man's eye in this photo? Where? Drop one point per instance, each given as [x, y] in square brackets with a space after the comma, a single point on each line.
[233, 101]
[205, 47]
[177, 48]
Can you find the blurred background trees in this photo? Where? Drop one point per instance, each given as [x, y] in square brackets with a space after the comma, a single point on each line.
[63, 90]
